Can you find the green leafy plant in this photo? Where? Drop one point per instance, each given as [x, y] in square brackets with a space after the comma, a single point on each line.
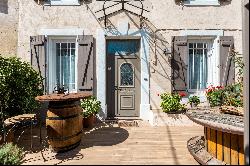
[239, 64]
[10, 154]
[194, 100]
[171, 103]
[19, 85]
[233, 95]
[90, 106]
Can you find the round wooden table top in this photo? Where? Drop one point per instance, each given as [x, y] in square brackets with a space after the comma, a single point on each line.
[63, 97]
[218, 121]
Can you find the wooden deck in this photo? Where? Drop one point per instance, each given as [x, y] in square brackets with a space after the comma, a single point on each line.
[110, 144]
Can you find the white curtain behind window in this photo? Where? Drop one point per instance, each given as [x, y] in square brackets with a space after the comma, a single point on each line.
[65, 65]
[198, 69]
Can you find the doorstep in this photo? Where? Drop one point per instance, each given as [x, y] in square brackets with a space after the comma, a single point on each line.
[127, 121]
[164, 119]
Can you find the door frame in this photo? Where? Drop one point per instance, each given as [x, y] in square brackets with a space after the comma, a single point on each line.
[145, 108]
[122, 38]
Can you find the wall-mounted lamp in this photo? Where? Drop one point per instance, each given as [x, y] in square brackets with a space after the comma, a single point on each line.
[167, 52]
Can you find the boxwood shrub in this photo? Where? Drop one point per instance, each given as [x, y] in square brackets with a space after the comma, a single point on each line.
[19, 85]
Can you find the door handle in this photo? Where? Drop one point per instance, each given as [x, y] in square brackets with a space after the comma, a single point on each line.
[116, 88]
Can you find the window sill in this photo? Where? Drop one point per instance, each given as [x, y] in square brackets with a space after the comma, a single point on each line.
[193, 4]
[62, 4]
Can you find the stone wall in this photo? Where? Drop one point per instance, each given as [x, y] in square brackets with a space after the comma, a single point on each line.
[8, 27]
[164, 14]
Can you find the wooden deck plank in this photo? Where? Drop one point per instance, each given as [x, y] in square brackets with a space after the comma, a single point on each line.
[123, 146]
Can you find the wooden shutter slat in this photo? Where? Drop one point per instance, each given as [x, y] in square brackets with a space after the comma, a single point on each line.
[38, 55]
[85, 63]
[227, 66]
[179, 63]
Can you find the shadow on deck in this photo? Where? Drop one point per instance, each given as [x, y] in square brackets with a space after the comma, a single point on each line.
[101, 135]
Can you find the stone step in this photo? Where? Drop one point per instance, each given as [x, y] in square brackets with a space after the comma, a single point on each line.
[165, 119]
[127, 122]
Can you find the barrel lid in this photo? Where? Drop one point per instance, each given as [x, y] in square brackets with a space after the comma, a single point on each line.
[63, 97]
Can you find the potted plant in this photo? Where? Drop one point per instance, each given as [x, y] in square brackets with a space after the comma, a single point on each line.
[91, 106]
[171, 103]
[194, 101]
[215, 96]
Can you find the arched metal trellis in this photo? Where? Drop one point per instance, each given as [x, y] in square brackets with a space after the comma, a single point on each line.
[123, 3]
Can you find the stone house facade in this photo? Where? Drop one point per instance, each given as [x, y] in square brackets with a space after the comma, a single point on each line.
[127, 52]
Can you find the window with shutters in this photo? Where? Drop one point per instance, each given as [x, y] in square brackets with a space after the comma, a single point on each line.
[201, 2]
[63, 64]
[62, 2]
[198, 66]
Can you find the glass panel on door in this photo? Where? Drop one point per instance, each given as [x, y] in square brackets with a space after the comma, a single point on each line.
[126, 75]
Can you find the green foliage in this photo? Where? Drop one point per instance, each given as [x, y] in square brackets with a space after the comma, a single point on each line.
[239, 64]
[194, 99]
[90, 106]
[233, 95]
[10, 154]
[171, 103]
[19, 85]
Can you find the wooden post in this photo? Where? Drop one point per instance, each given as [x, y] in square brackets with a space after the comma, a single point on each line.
[209, 140]
[245, 11]
[227, 148]
[213, 143]
[234, 149]
[219, 146]
[241, 150]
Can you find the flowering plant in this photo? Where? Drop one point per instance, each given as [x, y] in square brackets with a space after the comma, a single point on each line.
[212, 88]
[215, 95]
[90, 106]
[182, 94]
[231, 95]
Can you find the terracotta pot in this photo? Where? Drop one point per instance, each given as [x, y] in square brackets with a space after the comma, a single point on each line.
[193, 105]
[89, 122]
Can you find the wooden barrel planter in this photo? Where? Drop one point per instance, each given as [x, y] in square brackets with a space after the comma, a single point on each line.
[64, 125]
[64, 120]
[223, 135]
